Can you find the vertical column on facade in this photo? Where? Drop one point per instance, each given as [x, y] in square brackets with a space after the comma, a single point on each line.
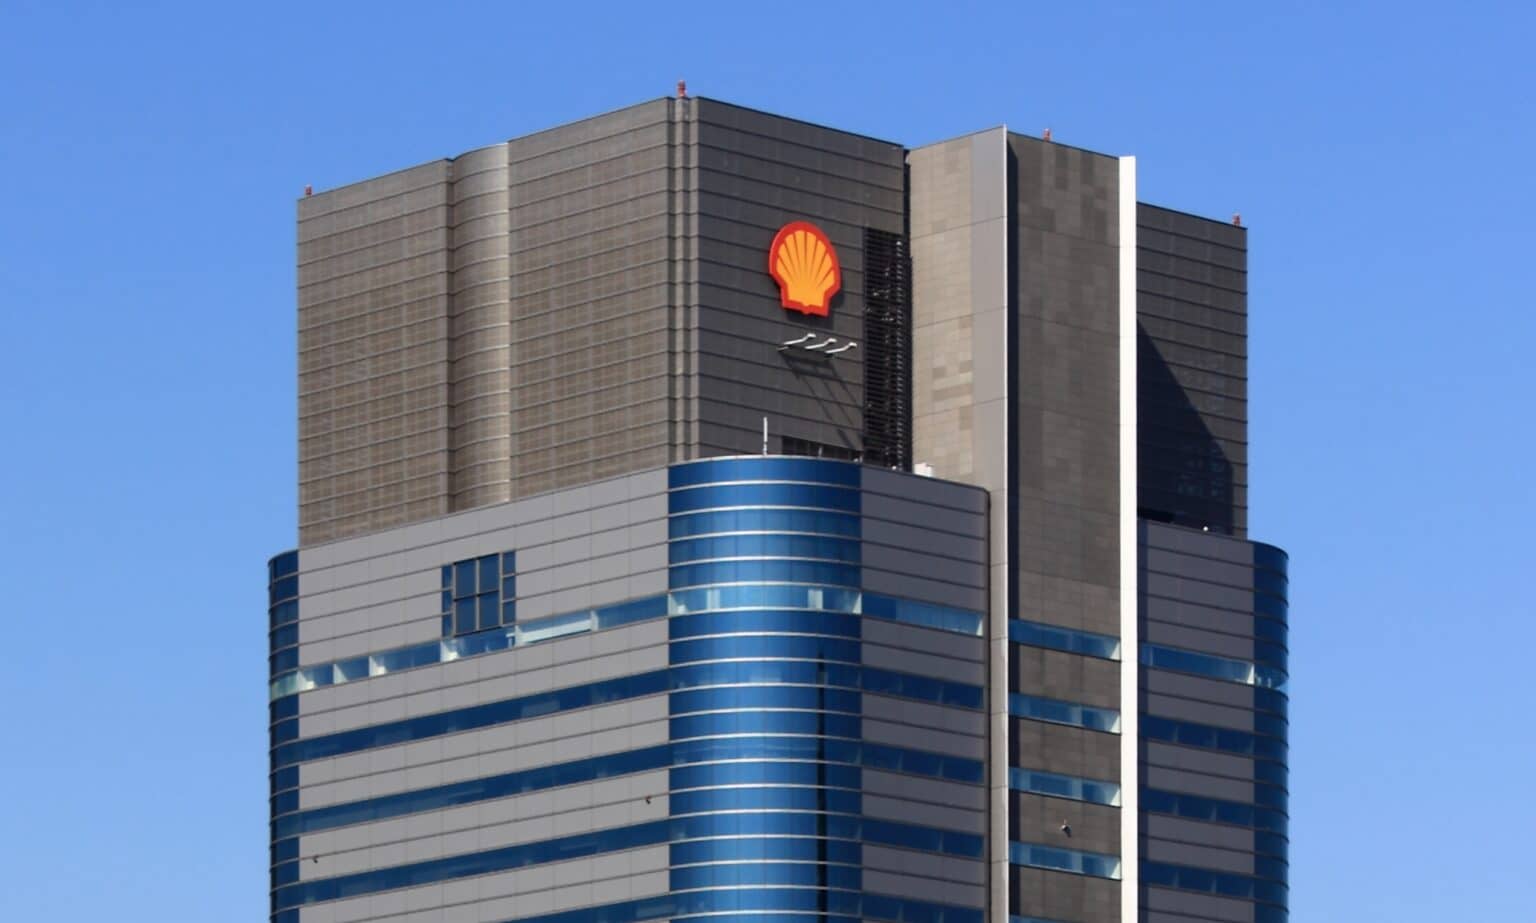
[958, 215]
[1130, 634]
[479, 328]
[682, 212]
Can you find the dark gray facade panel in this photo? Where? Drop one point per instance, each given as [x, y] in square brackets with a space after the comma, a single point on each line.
[1063, 676]
[1195, 639]
[757, 172]
[879, 482]
[1200, 907]
[1063, 896]
[1179, 612]
[1035, 818]
[1219, 836]
[1062, 749]
[1199, 712]
[924, 640]
[1185, 686]
[922, 864]
[1192, 369]
[1226, 860]
[1197, 760]
[1237, 574]
[920, 788]
[1178, 780]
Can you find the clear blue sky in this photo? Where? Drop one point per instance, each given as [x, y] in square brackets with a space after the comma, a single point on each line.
[151, 154]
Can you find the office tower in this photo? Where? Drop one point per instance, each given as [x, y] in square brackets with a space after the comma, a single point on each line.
[707, 513]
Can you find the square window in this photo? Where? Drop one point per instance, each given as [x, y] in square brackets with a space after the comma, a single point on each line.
[490, 611]
[447, 601]
[508, 587]
[508, 613]
[447, 576]
[509, 562]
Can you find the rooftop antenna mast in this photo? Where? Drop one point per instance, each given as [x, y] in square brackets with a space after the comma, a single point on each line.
[765, 435]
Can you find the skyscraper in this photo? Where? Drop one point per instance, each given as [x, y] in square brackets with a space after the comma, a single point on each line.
[707, 513]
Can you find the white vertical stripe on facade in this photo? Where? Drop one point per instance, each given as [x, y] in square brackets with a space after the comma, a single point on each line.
[998, 615]
[1130, 640]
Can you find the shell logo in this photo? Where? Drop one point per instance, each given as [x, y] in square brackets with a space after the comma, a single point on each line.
[802, 261]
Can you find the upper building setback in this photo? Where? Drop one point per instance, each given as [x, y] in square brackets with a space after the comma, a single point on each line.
[706, 513]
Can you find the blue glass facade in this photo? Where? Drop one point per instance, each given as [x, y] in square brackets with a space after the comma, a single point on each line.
[745, 528]
[765, 686]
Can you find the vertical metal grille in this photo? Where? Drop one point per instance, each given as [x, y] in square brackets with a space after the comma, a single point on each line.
[887, 350]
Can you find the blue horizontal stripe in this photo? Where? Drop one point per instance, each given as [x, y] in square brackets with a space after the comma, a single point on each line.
[1058, 712]
[1057, 859]
[745, 598]
[1058, 786]
[796, 874]
[724, 522]
[1215, 810]
[1214, 667]
[739, 698]
[756, 905]
[765, 722]
[834, 674]
[1210, 737]
[1057, 638]
[766, 849]
[623, 838]
[681, 550]
[808, 496]
[1206, 881]
[763, 571]
[808, 754]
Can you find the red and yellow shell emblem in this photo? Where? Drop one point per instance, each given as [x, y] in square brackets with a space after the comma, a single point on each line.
[804, 264]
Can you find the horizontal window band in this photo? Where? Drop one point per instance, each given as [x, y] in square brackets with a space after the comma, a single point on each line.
[742, 698]
[831, 674]
[1268, 847]
[726, 800]
[1225, 669]
[764, 545]
[1215, 810]
[757, 773]
[624, 838]
[1211, 737]
[732, 496]
[775, 570]
[760, 874]
[703, 760]
[764, 621]
[1052, 858]
[1056, 711]
[766, 849]
[763, 905]
[810, 598]
[729, 724]
[764, 521]
[1036, 782]
[739, 647]
[1206, 881]
[1057, 638]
